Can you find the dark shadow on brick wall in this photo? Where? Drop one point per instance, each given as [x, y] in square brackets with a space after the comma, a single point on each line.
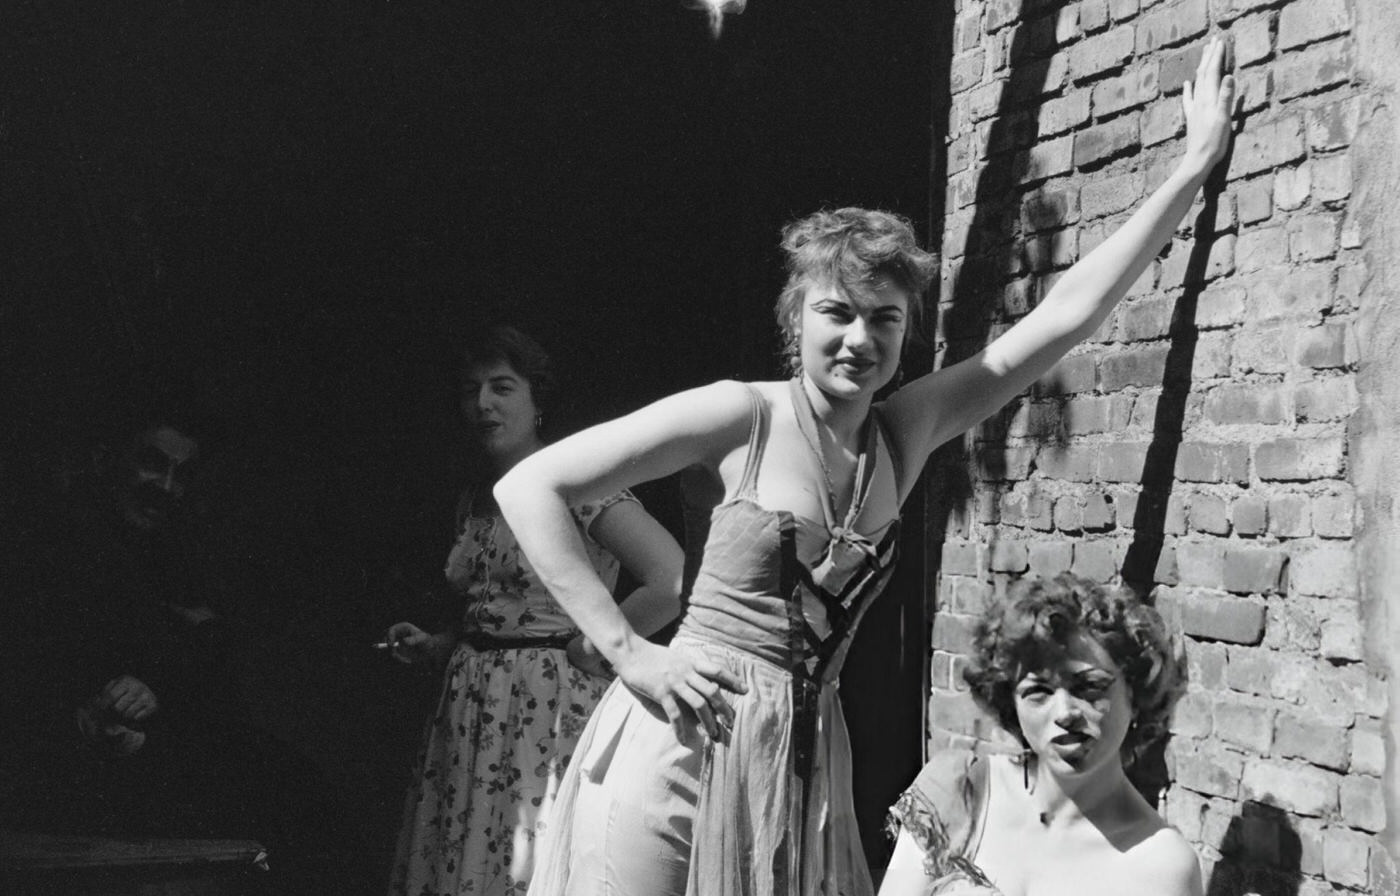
[1159, 467]
[991, 249]
[1261, 853]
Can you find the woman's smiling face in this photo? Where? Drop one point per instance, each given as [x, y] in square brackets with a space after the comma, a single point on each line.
[1075, 713]
[851, 342]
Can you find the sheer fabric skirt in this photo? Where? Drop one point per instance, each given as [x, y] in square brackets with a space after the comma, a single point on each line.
[640, 813]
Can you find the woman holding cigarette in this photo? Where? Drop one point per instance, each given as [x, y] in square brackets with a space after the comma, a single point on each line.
[520, 679]
[719, 765]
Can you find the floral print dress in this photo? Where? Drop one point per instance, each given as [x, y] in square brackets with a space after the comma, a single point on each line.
[506, 724]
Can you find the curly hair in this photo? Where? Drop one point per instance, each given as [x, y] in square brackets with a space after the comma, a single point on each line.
[525, 356]
[1032, 627]
[853, 249]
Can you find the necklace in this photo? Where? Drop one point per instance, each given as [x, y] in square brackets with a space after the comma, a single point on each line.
[813, 440]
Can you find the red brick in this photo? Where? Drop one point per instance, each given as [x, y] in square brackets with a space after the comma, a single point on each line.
[1253, 570]
[1330, 694]
[1001, 13]
[1261, 248]
[1363, 803]
[985, 101]
[1097, 512]
[1162, 121]
[1219, 618]
[1049, 558]
[955, 712]
[1121, 461]
[1248, 514]
[1088, 414]
[1064, 113]
[1324, 570]
[1312, 70]
[1324, 346]
[1314, 237]
[1050, 208]
[1289, 516]
[1300, 294]
[1093, 15]
[1100, 197]
[1095, 56]
[963, 559]
[1191, 717]
[1334, 515]
[1332, 178]
[1004, 464]
[1009, 556]
[1367, 748]
[1253, 39]
[1074, 463]
[1292, 186]
[1292, 787]
[1244, 723]
[1305, 23]
[1207, 514]
[1346, 857]
[1300, 459]
[1147, 318]
[1205, 663]
[1263, 349]
[1106, 141]
[1209, 771]
[1095, 560]
[966, 595]
[1333, 125]
[1171, 25]
[1250, 670]
[1298, 736]
[1129, 90]
[966, 70]
[953, 632]
[1266, 146]
[1138, 366]
[1343, 639]
[1206, 462]
[1221, 306]
[1244, 403]
[1254, 199]
[1334, 398]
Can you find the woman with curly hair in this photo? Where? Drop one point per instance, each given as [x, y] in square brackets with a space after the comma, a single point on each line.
[674, 788]
[1082, 676]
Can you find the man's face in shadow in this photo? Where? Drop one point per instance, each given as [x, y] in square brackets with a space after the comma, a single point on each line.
[155, 471]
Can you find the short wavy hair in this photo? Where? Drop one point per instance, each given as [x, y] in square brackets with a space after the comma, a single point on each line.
[1032, 626]
[524, 355]
[853, 249]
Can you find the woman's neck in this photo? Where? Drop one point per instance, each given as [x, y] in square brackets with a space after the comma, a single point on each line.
[501, 463]
[1092, 795]
[842, 418]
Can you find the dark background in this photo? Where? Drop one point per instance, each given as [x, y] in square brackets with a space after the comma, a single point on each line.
[294, 210]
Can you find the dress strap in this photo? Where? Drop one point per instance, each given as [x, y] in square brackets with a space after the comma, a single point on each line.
[758, 439]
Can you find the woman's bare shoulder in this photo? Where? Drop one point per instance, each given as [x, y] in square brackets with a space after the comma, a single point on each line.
[1165, 856]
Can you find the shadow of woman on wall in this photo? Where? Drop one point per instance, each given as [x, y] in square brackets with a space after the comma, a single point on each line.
[1260, 854]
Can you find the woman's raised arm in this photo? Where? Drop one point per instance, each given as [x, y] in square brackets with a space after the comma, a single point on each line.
[935, 408]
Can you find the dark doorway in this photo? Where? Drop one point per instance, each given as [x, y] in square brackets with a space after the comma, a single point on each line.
[298, 207]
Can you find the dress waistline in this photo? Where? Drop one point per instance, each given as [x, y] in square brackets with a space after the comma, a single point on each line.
[485, 641]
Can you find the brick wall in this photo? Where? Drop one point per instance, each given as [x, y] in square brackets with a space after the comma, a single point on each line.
[1202, 442]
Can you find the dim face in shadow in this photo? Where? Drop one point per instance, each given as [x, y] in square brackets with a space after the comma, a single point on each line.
[154, 474]
[500, 408]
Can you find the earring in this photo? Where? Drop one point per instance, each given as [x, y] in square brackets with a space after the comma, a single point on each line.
[539, 419]
[1026, 768]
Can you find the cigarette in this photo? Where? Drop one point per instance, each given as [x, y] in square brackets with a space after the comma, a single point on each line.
[385, 645]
